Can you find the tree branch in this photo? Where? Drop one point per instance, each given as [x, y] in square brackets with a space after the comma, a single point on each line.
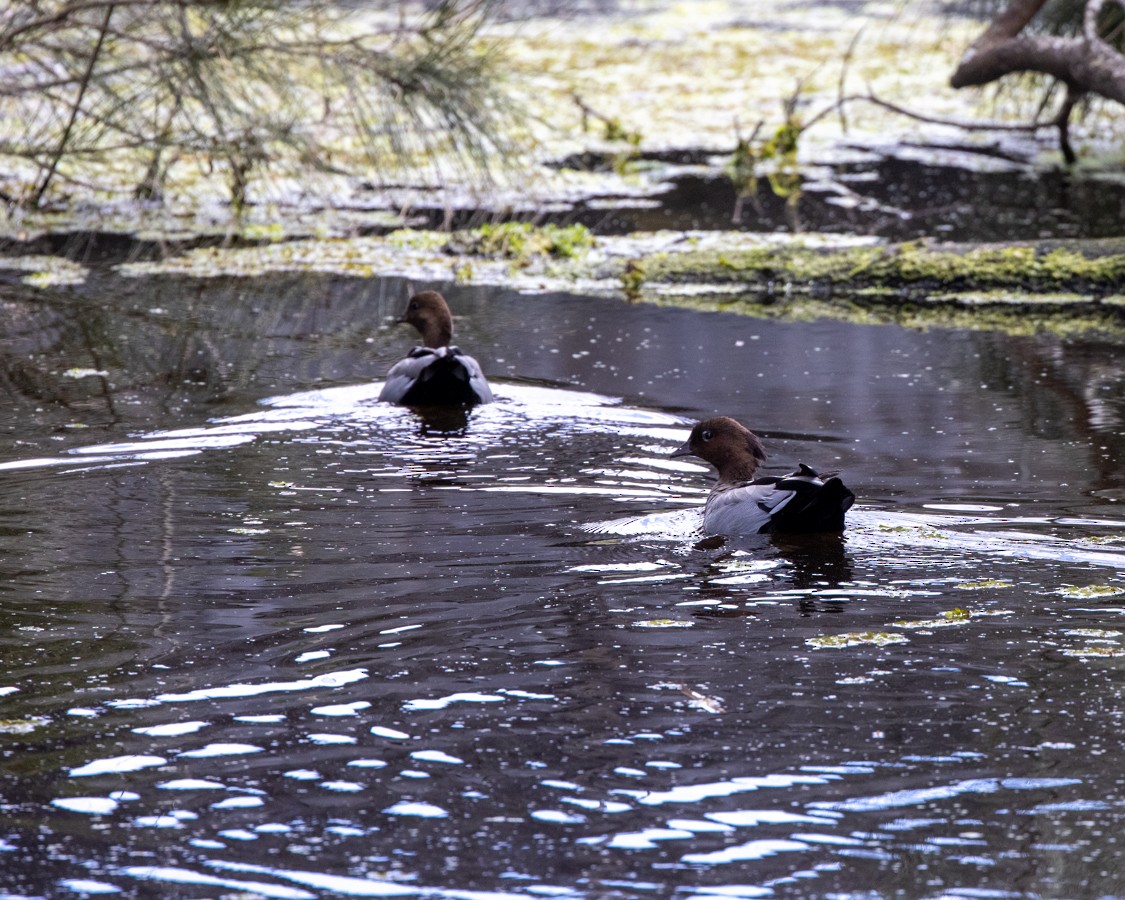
[1085, 64]
[11, 34]
[75, 109]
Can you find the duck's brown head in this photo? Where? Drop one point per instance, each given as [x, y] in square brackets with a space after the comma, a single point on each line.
[731, 448]
[429, 313]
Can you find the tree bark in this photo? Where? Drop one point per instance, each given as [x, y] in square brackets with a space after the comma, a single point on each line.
[1085, 64]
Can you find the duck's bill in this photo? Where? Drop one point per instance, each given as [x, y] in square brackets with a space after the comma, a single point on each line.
[684, 450]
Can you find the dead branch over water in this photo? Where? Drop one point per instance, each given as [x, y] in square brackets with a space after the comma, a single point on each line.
[1087, 63]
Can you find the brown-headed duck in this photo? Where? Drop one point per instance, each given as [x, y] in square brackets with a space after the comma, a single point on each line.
[740, 504]
[437, 373]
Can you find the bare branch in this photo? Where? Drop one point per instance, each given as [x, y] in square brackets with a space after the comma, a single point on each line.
[962, 124]
[75, 109]
[10, 35]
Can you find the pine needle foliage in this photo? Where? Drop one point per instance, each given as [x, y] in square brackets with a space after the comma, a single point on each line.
[240, 87]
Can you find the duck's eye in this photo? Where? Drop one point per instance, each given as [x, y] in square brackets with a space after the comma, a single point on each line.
[707, 435]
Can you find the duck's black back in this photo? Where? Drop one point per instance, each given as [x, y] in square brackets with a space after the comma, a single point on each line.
[443, 382]
[816, 507]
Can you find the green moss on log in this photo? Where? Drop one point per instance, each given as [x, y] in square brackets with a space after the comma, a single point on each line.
[912, 267]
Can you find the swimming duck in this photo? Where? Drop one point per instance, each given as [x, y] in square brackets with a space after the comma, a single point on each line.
[437, 373]
[739, 504]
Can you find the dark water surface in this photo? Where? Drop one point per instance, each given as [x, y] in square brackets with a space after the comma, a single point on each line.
[265, 637]
[881, 191]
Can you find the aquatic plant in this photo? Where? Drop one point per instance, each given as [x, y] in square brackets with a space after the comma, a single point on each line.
[613, 131]
[776, 159]
[633, 279]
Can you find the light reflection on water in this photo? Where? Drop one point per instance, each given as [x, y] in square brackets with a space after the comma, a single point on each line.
[330, 648]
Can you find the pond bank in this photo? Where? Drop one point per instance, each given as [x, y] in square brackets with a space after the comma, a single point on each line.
[655, 207]
[1056, 286]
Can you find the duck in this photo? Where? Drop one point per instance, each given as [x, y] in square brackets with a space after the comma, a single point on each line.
[802, 502]
[437, 373]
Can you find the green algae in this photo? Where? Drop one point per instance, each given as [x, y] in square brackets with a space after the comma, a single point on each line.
[1022, 316]
[1059, 287]
[1098, 643]
[855, 639]
[1092, 591]
[949, 618]
[1093, 633]
[521, 242]
[926, 624]
[917, 531]
[1094, 651]
[907, 267]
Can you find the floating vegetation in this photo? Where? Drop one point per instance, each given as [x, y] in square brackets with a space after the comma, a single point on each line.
[921, 531]
[982, 585]
[1099, 642]
[1095, 633]
[701, 701]
[916, 624]
[1091, 591]
[45, 271]
[957, 616]
[1094, 650]
[22, 726]
[855, 639]
[77, 373]
[945, 620]
[664, 623]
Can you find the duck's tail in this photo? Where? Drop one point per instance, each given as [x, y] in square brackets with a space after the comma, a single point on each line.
[818, 504]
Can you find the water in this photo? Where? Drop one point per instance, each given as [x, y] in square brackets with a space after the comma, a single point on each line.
[263, 636]
[898, 192]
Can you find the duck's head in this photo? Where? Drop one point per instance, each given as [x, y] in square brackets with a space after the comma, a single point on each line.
[429, 313]
[731, 448]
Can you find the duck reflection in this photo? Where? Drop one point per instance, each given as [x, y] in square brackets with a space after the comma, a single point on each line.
[442, 421]
[818, 560]
[802, 562]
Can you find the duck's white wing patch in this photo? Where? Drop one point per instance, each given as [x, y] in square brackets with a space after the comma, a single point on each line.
[405, 373]
[745, 509]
